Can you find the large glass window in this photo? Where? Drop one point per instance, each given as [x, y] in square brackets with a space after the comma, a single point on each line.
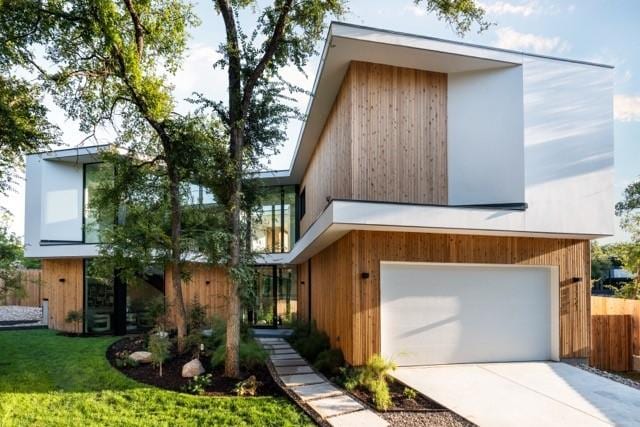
[99, 293]
[274, 226]
[92, 175]
[274, 297]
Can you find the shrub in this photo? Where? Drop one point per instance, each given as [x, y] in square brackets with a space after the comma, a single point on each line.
[123, 360]
[311, 344]
[196, 316]
[160, 349]
[198, 384]
[409, 393]
[248, 387]
[349, 377]
[329, 362]
[75, 317]
[251, 354]
[374, 376]
[380, 393]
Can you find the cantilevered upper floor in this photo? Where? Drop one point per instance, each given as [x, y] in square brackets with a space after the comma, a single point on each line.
[412, 133]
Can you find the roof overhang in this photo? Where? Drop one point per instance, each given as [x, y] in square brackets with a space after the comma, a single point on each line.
[79, 155]
[347, 42]
[341, 217]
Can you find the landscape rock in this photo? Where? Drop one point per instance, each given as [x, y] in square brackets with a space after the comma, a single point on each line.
[141, 356]
[193, 368]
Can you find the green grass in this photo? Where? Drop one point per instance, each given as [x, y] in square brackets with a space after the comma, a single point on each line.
[47, 379]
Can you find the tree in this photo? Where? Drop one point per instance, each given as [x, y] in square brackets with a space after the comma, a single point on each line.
[11, 261]
[285, 34]
[24, 126]
[629, 211]
[106, 63]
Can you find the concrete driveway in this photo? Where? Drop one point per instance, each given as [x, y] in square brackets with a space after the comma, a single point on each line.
[526, 394]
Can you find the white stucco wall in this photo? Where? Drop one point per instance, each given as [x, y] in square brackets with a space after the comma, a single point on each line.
[485, 150]
[54, 209]
[568, 146]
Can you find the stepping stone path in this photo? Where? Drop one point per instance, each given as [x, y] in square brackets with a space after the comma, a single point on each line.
[329, 402]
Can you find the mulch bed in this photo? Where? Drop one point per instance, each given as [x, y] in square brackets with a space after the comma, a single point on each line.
[172, 372]
[405, 412]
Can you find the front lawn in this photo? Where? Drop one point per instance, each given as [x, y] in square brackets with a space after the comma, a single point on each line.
[48, 379]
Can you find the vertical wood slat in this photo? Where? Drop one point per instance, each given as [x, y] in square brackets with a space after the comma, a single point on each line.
[33, 290]
[333, 281]
[618, 306]
[384, 140]
[64, 296]
[212, 295]
[611, 342]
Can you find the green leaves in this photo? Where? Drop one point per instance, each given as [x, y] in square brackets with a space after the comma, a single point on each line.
[461, 15]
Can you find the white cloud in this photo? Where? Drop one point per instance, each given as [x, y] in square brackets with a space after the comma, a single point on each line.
[505, 8]
[415, 10]
[626, 108]
[508, 38]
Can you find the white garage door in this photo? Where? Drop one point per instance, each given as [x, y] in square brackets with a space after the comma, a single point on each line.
[465, 313]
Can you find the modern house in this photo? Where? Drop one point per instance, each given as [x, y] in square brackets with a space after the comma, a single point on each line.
[439, 206]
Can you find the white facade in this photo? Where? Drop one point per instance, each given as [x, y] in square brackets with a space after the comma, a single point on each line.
[522, 129]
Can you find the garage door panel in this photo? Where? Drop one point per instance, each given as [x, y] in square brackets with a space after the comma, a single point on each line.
[455, 313]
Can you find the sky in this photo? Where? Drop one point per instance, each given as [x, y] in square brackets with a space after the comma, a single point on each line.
[602, 31]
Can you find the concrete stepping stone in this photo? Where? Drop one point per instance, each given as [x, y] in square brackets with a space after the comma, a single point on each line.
[301, 379]
[272, 340]
[334, 405]
[284, 351]
[285, 356]
[292, 370]
[316, 391]
[289, 362]
[364, 418]
[280, 347]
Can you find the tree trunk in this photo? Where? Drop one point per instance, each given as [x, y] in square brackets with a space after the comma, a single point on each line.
[232, 359]
[174, 263]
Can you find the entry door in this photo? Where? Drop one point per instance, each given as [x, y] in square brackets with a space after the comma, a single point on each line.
[466, 313]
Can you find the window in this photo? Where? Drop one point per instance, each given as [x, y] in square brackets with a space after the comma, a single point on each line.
[303, 202]
[92, 175]
[274, 225]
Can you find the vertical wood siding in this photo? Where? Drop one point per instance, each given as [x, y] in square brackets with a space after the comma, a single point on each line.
[342, 300]
[611, 342]
[63, 296]
[32, 292]
[213, 295]
[618, 306]
[385, 139]
[399, 134]
[328, 174]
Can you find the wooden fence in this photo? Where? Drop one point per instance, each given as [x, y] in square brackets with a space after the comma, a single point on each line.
[33, 291]
[615, 333]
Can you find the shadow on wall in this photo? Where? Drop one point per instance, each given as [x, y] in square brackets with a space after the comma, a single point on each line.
[568, 120]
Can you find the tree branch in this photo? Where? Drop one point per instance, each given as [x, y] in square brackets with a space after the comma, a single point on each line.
[137, 26]
[272, 46]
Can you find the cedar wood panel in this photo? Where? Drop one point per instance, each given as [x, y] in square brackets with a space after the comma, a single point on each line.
[346, 305]
[68, 295]
[63, 296]
[384, 140]
[618, 306]
[213, 295]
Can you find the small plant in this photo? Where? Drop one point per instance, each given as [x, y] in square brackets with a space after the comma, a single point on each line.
[349, 377]
[160, 349]
[374, 377]
[251, 354]
[75, 317]
[409, 393]
[198, 384]
[312, 344]
[247, 387]
[196, 316]
[124, 361]
[329, 362]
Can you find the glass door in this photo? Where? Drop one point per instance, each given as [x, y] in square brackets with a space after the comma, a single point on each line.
[273, 301]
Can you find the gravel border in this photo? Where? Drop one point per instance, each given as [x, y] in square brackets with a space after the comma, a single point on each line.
[609, 375]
